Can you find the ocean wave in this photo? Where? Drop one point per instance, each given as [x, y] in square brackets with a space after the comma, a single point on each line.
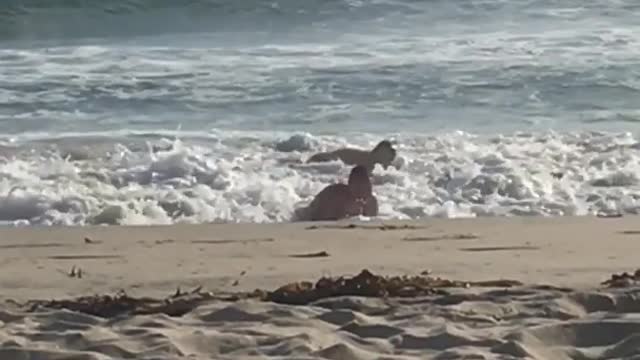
[505, 82]
[39, 19]
[226, 176]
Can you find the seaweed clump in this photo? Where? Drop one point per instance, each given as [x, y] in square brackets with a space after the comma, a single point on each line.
[364, 284]
[623, 280]
[108, 306]
[370, 285]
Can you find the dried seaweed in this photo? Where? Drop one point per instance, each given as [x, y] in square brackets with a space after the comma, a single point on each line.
[364, 284]
[299, 293]
[623, 280]
[370, 285]
[108, 306]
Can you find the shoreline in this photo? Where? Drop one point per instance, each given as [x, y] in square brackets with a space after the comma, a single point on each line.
[153, 260]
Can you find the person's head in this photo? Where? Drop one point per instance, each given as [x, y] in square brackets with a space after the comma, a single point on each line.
[384, 153]
[359, 182]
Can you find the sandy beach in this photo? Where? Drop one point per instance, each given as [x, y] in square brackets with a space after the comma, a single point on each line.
[561, 311]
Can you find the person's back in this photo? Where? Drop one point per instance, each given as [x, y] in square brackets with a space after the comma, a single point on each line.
[339, 201]
[332, 203]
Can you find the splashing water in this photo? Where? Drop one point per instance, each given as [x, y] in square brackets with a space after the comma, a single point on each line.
[245, 176]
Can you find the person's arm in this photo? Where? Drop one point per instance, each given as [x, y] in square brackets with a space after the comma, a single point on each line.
[322, 157]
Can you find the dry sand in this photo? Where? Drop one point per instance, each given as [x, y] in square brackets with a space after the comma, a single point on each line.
[586, 321]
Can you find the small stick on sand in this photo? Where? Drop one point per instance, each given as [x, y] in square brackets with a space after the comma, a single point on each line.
[88, 240]
[311, 255]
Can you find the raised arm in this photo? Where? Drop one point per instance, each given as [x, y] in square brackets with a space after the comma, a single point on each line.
[322, 157]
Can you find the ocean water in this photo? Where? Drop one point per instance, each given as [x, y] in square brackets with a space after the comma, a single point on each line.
[158, 111]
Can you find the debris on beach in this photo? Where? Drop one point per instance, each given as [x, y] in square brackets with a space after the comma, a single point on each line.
[88, 240]
[311, 255]
[363, 284]
[75, 272]
[623, 280]
[108, 306]
[383, 227]
[179, 303]
[371, 285]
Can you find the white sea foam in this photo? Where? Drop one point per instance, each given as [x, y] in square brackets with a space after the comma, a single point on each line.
[244, 176]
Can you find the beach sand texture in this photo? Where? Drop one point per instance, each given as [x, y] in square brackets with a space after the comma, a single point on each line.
[561, 311]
